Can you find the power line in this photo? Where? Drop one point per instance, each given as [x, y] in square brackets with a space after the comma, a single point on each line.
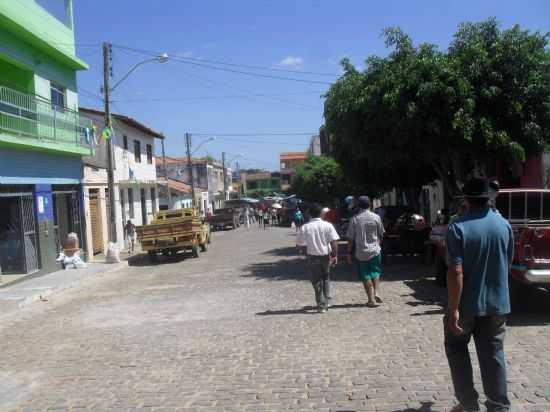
[222, 63]
[224, 69]
[254, 134]
[235, 96]
[250, 96]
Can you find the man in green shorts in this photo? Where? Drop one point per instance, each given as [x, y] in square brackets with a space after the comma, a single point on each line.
[365, 234]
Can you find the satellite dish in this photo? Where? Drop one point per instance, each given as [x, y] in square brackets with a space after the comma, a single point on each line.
[180, 172]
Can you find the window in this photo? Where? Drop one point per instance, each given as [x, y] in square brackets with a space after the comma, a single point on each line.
[153, 200]
[137, 151]
[283, 165]
[57, 95]
[131, 202]
[125, 142]
[149, 150]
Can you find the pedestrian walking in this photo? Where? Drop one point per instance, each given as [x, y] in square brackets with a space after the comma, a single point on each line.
[480, 248]
[365, 235]
[247, 217]
[319, 240]
[267, 216]
[260, 218]
[130, 231]
[298, 219]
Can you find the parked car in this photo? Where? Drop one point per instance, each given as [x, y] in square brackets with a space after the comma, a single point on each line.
[406, 231]
[225, 217]
[528, 211]
[172, 231]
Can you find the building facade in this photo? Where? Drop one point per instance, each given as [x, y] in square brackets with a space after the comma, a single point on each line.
[289, 161]
[260, 183]
[41, 145]
[315, 146]
[135, 178]
[208, 178]
[180, 194]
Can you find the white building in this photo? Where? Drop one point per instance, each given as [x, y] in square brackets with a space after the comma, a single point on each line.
[135, 178]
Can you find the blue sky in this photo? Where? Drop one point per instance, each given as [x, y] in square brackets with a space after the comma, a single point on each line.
[308, 35]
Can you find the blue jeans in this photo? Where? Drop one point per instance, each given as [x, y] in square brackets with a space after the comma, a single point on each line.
[488, 333]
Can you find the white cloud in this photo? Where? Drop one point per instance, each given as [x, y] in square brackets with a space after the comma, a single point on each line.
[185, 54]
[292, 61]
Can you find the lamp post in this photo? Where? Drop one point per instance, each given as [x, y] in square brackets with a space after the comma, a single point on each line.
[190, 162]
[107, 111]
[225, 172]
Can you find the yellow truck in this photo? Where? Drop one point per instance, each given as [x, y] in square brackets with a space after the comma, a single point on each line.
[172, 231]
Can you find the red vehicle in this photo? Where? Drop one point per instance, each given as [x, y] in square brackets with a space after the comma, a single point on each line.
[528, 211]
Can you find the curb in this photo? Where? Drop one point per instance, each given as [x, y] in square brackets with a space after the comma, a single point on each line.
[10, 304]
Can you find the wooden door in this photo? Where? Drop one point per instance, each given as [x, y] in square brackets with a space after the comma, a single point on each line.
[97, 226]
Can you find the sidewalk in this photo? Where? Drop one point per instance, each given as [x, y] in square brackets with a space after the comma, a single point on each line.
[14, 297]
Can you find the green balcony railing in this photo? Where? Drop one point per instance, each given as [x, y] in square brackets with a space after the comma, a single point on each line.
[31, 117]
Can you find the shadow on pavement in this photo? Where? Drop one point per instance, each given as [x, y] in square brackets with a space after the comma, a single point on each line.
[143, 259]
[531, 308]
[309, 309]
[425, 407]
[395, 268]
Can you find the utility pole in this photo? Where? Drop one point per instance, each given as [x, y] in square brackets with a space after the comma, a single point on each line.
[107, 110]
[239, 177]
[166, 175]
[224, 178]
[190, 164]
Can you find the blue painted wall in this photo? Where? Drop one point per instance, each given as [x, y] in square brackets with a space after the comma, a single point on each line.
[28, 167]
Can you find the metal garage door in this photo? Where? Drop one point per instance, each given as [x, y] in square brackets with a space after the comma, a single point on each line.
[97, 226]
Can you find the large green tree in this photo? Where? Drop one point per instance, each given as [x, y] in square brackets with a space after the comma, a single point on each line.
[420, 114]
[319, 179]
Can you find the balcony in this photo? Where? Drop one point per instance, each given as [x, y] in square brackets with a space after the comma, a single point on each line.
[32, 122]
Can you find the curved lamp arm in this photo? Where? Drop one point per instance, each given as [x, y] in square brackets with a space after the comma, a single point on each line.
[163, 58]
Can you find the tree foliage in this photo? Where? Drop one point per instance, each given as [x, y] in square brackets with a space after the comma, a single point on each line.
[420, 113]
[319, 179]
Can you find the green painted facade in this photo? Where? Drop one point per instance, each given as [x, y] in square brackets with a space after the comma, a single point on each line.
[37, 50]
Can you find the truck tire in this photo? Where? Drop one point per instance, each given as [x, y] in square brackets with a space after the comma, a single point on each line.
[195, 251]
[440, 271]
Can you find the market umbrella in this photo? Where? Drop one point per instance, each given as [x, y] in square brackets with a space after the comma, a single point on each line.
[276, 206]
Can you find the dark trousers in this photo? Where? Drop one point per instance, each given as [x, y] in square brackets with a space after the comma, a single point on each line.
[319, 267]
[488, 333]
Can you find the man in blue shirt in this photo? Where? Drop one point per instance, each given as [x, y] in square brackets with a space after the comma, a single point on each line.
[480, 247]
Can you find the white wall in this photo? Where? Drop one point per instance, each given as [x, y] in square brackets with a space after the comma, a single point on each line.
[144, 176]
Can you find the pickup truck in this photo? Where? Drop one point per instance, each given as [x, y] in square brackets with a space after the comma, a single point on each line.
[226, 217]
[528, 211]
[172, 231]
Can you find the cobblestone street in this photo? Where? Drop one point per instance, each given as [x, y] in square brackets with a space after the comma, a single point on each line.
[234, 330]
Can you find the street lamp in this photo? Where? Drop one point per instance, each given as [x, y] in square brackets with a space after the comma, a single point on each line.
[203, 142]
[224, 169]
[163, 58]
[190, 162]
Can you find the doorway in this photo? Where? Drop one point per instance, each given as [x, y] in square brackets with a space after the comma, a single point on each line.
[18, 239]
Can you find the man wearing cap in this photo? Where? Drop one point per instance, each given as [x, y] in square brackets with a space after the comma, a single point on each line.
[365, 234]
[480, 247]
[320, 242]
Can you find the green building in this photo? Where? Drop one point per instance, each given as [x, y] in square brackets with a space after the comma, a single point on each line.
[41, 142]
[256, 183]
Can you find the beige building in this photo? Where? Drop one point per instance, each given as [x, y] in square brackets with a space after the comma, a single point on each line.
[289, 161]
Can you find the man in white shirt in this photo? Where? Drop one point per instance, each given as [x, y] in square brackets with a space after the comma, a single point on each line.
[319, 240]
